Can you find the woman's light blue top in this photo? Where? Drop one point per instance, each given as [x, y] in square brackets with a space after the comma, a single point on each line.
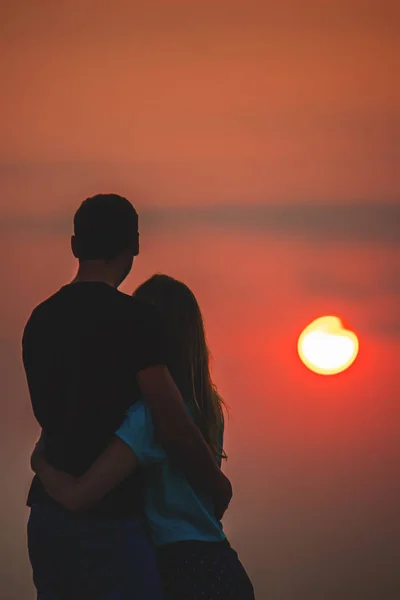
[174, 510]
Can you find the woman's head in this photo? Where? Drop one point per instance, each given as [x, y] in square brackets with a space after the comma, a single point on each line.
[187, 352]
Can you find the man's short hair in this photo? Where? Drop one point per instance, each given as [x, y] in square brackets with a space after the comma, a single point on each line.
[105, 225]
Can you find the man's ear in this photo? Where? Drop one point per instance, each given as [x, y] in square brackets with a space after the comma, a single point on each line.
[74, 246]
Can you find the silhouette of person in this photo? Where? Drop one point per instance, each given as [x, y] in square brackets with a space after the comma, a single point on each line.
[91, 352]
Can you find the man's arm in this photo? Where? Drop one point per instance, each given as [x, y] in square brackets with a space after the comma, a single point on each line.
[181, 438]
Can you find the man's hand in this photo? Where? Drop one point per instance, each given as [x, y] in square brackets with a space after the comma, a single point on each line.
[223, 496]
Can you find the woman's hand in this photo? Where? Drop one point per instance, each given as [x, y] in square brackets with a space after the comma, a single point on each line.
[80, 493]
[37, 456]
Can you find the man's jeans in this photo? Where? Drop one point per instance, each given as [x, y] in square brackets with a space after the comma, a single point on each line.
[76, 558]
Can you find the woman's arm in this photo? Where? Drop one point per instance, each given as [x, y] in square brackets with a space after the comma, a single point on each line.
[79, 493]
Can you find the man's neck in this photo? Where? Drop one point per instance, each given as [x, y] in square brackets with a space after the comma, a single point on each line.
[91, 271]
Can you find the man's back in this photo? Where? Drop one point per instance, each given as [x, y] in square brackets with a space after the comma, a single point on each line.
[82, 349]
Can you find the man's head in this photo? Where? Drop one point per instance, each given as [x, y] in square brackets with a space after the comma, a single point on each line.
[106, 231]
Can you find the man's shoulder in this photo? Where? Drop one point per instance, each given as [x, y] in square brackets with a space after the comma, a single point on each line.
[135, 308]
[44, 307]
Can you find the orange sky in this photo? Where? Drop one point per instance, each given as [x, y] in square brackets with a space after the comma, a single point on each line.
[291, 113]
[204, 101]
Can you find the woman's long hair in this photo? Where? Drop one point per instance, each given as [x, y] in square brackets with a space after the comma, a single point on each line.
[188, 357]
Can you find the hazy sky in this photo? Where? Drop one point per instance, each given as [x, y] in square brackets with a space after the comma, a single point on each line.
[261, 146]
[203, 101]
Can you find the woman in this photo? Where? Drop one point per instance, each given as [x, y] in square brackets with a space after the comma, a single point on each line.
[195, 559]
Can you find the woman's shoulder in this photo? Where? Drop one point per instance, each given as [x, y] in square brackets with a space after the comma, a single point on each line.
[138, 411]
[138, 432]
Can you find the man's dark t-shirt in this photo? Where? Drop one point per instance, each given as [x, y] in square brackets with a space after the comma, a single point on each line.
[82, 350]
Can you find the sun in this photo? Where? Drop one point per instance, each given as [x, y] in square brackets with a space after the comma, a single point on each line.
[326, 347]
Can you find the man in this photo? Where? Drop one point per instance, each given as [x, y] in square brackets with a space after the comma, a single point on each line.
[89, 351]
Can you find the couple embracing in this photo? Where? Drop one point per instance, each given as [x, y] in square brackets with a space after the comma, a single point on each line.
[128, 495]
